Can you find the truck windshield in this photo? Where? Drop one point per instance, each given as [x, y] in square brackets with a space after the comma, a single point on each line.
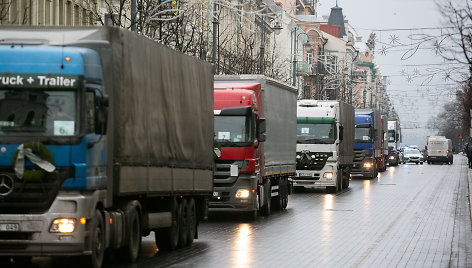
[316, 133]
[38, 112]
[235, 130]
[391, 135]
[362, 134]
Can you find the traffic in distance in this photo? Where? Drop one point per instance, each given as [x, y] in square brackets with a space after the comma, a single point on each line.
[136, 151]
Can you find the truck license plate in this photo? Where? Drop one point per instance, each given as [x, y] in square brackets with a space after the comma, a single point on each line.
[305, 174]
[9, 227]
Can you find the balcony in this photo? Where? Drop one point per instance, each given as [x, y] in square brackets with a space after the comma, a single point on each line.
[303, 68]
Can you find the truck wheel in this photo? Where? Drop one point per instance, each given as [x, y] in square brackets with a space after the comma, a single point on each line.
[168, 238]
[184, 223]
[346, 180]
[97, 240]
[192, 220]
[280, 199]
[265, 210]
[285, 194]
[133, 239]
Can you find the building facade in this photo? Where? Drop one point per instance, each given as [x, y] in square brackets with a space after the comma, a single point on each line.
[50, 12]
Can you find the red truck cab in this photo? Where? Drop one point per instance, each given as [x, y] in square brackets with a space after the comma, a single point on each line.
[255, 127]
[236, 110]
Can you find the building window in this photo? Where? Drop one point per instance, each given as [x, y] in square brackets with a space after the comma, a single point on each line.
[309, 57]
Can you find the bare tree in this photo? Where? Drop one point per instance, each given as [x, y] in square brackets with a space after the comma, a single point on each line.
[458, 14]
[4, 10]
[186, 26]
[449, 122]
[9, 16]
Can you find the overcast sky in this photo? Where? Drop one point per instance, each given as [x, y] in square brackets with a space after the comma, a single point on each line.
[417, 85]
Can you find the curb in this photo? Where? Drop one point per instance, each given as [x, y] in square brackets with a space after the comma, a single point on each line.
[469, 179]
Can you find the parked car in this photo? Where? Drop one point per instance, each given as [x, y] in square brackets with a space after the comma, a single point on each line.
[412, 156]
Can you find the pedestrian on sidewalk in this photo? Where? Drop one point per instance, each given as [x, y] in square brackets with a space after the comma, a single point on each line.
[468, 152]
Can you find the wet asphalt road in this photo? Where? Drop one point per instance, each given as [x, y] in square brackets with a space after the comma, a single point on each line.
[410, 216]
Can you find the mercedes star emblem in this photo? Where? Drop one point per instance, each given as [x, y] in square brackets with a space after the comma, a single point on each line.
[6, 185]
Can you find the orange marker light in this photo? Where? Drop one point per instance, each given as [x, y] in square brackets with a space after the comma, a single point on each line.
[83, 221]
[111, 221]
[67, 59]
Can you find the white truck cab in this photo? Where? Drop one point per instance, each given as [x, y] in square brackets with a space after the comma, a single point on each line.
[325, 139]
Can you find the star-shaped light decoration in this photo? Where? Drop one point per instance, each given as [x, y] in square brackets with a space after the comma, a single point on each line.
[409, 79]
[383, 50]
[438, 47]
[394, 39]
[416, 72]
[403, 72]
[447, 76]
[389, 82]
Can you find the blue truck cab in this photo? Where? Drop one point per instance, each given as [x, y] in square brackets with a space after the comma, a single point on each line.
[366, 143]
[52, 106]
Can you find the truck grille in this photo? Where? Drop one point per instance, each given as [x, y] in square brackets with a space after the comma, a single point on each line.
[359, 155]
[31, 196]
[316, 163]
[222, 176]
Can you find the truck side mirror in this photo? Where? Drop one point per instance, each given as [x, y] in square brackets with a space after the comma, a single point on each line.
[398, 136]
[341, 132]
[261, 129]
[101, 113]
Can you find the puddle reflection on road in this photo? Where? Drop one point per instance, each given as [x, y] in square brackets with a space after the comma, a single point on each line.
[243, 245]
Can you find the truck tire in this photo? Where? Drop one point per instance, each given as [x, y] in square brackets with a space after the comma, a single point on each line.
[376, 171]
[97, 240]
[192, 219]
[285, 186]
[281, 201]
[168, 238]
[131, 249]
[265, 210]
[184, 223]
[346, 180]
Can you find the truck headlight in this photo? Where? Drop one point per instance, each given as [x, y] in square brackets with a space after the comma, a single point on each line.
[367, 165]
[392, 157]
[328, 175]
[64, 225]
[242, 193]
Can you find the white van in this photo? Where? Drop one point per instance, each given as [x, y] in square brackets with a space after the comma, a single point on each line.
[439, 149]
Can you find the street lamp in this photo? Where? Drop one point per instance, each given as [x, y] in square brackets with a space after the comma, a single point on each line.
[294, 71]
[277, 28]
[215, 28]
